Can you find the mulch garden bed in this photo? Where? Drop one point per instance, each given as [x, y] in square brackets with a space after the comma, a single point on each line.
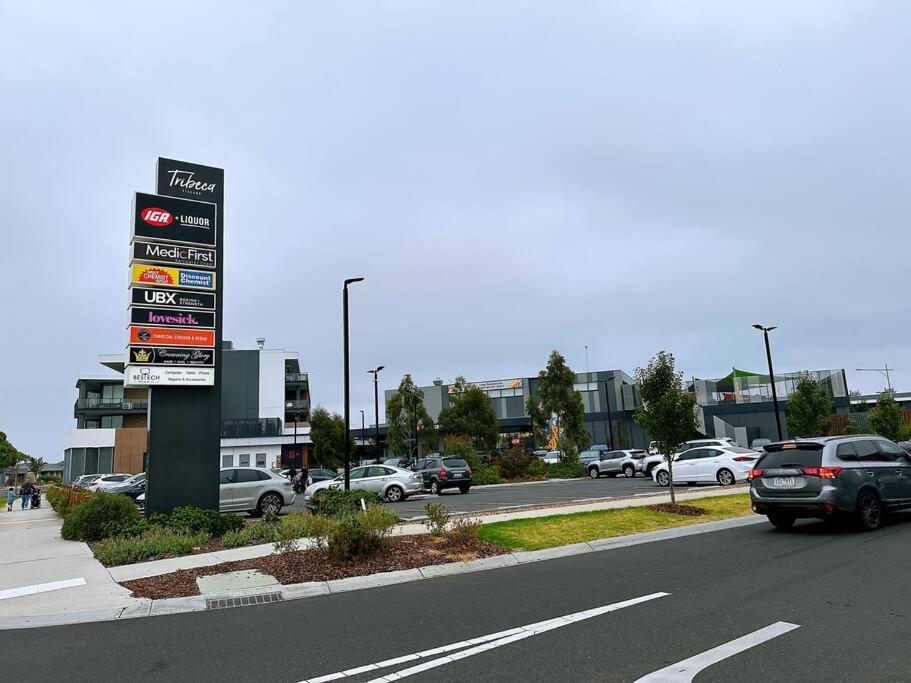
[400, 552]
[678, 509]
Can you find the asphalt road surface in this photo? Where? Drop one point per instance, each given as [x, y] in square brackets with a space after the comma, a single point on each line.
[500, 497]
[746, 604]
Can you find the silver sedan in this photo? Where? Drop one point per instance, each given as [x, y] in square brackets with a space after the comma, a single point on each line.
[390, 483]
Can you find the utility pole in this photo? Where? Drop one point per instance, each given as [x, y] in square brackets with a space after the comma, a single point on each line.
[349, 281]
[376, 406]
[885, 370]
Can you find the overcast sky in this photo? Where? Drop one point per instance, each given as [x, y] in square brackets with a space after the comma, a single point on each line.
[511, 178]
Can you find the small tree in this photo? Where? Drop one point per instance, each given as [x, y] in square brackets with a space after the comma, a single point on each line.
[851, 427]
[668, 411]
[557, 397]
[35, 465]
[809, 408]
[885, 418]
[9, 455]
[471, 415]
[404, 408]
[327, 432]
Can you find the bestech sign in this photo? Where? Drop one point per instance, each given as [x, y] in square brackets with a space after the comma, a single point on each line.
[492, 385]
[177, 254]
[163, 355]
[171, 317]
[145, 376]
[162, 298]
[173, 220]
[165, 276]
[171, 336]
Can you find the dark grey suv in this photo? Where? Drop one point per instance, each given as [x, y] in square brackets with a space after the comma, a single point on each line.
[860, 475]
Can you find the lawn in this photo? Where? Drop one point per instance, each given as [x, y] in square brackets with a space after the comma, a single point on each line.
[547, 532]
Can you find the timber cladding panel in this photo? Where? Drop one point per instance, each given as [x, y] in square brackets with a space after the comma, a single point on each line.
[129, 445]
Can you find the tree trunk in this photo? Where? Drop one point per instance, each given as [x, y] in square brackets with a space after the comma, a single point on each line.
[670, 474]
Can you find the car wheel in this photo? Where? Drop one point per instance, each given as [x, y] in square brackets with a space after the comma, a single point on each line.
[464, 489]
[781, 520]
[435, 488]
[394, 494]
[270, 504]
[593, 472]
[869, 511]
[663, 478]
[725, 477]
[629, 471]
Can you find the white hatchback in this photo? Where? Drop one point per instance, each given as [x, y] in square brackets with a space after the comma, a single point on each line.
[725, 465]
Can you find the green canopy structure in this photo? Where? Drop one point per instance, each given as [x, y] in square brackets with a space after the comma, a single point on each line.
[726, 383]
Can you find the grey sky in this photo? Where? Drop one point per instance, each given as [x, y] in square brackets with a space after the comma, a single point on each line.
[510, 177]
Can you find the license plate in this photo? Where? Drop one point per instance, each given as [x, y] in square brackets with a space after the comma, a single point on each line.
[457, 474]
[784, 482]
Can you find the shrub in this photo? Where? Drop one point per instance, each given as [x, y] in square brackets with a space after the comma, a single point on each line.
[152, 543]
[489, 474]
[355, 536]
[904, 432]
[566, 470]
[437, 518]
[192, 521]
[461, 447]
[537, 468]
[464, 529]
[234, 539]
[62, 499]
[100, 516]
[514, 463]
[338, 502]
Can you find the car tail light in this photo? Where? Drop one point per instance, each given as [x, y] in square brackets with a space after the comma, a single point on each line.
[415, 476]
[443, 472]
[755, 474]
[822, 472]
[469, 471]
[744, 458]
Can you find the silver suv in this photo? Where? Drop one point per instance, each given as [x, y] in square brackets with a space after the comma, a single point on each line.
[860, 475]
[613, 463]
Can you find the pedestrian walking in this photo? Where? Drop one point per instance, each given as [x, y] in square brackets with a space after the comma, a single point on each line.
[10, 497]
[26, 493]
[292, 473]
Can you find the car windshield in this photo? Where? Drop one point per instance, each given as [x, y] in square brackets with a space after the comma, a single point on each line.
[791, 457]
[454, 462]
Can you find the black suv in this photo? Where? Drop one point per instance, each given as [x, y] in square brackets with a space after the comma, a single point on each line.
[445, 473]
[860, 475]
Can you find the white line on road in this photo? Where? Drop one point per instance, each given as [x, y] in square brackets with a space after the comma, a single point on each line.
[40, 588]
[685, 671]
[481, 644]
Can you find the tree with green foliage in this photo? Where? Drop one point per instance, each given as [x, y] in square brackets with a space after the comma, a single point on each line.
[9, 454]
[470, 414]
[904, 432]
[556, 397]
[885, 418]
[327, 432]
[851, 427]
[35, 465]
[809, 410]
[668, 410]
[404, 408]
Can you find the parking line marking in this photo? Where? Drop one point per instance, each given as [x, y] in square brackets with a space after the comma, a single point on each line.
[479, 644]
[40, 588]
[684, 671]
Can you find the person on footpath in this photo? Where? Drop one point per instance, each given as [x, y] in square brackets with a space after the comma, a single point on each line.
[10, 497]
[26, 493]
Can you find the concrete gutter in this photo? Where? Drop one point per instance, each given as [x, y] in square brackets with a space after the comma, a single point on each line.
[143, 607]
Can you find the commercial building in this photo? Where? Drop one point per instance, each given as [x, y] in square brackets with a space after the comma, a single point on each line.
[265, 415]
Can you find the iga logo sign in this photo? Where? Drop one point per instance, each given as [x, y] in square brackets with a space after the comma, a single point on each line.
[155, 216]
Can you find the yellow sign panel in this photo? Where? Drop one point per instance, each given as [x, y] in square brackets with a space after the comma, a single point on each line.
[164, 276]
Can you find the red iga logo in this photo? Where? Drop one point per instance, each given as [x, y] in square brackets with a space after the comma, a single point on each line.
[157, 217]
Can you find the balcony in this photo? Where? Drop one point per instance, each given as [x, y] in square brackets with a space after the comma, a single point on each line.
[116, 405]
[251, 428]
[295, 377]
[295, 406]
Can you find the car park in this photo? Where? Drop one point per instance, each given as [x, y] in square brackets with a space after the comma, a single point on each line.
[105, 481]
[612, 463]
[442, 473]
[860, 476]
[390, 483]
[725, 465]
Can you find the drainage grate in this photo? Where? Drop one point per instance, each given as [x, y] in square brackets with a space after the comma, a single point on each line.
[244, 601]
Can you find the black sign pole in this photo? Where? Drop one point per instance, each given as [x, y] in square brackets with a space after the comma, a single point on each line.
[185, 421]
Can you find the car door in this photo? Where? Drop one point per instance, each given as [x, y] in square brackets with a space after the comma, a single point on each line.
[226, 481]
[897, 476]
[430, 466]
[685, 465]
[247, 489]
[707, 463]
[610, 462]
[876, 469]
[375, 479]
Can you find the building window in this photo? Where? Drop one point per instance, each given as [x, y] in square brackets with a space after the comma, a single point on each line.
[244, 459]
[91, 424]
[586, 386]
[260, 459]
[111, 421]
[227, 460]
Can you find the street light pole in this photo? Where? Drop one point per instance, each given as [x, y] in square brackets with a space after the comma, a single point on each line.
[884, 371]
[348, 281]
[768, 353]
[363, 428]
[376, 406]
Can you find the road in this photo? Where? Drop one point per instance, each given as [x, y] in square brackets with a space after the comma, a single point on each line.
[498, 497]
[822, 604]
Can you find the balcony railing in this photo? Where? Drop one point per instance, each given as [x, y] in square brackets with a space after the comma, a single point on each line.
[114, 404]
[293, 406]
[295, 376]
[240, 429]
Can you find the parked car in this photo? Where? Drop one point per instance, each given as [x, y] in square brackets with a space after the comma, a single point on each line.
[540, 453]
[612, 463]
[593, 452]
[257, 490]
[652, 461]
[725, 465]
[906, 445]
[318, 474]
[105, 481]
[443, 473]
[863, 476]
[133, 487]
[553, 457]
[390, 483]
[83, 481]
[758, 444]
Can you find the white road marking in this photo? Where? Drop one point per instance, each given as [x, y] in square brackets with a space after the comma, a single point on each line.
[479, 644]
[686, 670]
[40, 588]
